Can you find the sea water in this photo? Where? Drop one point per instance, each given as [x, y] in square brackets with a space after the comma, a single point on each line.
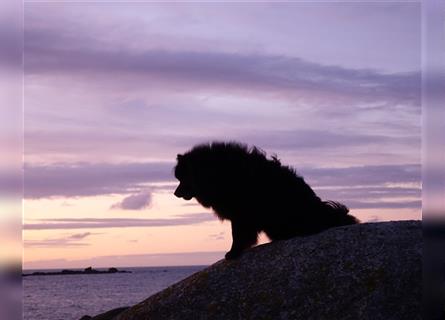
[66, 297]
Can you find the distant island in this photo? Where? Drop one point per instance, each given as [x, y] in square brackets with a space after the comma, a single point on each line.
[88, 270]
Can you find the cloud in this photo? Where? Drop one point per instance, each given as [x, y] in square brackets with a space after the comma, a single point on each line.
[323, 139]
[79, 236]
[11, 37]
[369, 187]
[373, 186]
[166, 145]
[50, 50]
[370, 175]
[235, 71]
[145, 80]
[89, 223]
[51, 243]
[66, 241]
[373, 219]
[88, 179]
[377, 204]
[11, 182]
[217, 236]
[366, 192]
[153, 259]
[374, 197]
[136, 201]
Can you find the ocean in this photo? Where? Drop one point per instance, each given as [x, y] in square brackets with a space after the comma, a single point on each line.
[66, 297]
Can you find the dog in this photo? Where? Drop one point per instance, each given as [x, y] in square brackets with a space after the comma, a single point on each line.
[255, 193]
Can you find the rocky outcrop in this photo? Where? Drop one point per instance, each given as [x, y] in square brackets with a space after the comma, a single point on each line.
[107, 315]
[65, 272]
[365, 271]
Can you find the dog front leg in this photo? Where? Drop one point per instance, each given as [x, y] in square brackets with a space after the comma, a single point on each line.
[243, 237]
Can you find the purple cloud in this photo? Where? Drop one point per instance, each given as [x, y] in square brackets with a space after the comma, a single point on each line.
[79, 236]
[373, 219]
[415, 204]
[363, 175]
[222, 70]
[167, 145]
[11, 37]
[369, 187]
[154, 259]
[89, 223]
[359, 187]
[217, 236]
[324, 139]
[378, 197]
[87, 179]
[11, 182]
[51, 243]
[53, 48]
[136, 201]
[371, 100]
[66, 241]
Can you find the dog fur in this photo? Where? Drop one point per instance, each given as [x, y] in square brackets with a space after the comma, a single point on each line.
[255, 193]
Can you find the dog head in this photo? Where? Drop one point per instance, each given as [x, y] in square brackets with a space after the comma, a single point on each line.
[194, 180]
[182, 173]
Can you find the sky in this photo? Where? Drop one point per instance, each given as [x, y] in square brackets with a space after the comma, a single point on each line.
[114, 91]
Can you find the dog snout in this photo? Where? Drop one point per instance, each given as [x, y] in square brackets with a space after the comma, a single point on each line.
[178, 192]
[181, 193]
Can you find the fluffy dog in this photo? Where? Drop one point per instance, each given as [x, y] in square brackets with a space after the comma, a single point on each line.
[255, 193]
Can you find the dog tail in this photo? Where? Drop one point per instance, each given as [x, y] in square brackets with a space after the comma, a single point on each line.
[338, 213]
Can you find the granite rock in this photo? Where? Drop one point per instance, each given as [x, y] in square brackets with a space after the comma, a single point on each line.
[364, 271]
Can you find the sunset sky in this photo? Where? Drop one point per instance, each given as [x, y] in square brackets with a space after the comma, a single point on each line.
[113, 91]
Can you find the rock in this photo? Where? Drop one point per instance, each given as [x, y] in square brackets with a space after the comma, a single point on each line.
[109, 315]
[65, 272]
[364, 271]
[89, 270]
